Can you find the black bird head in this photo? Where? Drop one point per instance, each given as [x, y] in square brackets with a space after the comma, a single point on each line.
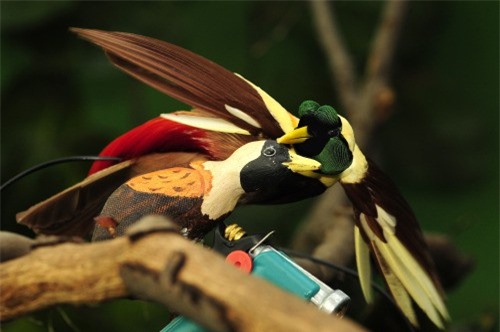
[272, 165]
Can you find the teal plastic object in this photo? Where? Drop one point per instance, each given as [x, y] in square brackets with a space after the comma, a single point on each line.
[272, 266]
[275, 268]
[182, 324]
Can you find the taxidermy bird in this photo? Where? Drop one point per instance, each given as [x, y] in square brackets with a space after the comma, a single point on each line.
[238, 145]
[203, 192]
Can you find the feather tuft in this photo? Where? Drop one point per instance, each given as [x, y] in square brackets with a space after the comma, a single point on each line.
[155, 136]
[385, 221]
[363, 265]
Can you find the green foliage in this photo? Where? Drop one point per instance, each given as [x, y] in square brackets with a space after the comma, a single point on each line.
[61, 97]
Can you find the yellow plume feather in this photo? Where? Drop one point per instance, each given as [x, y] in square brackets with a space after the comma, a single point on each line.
[404, 275]
[363, 265]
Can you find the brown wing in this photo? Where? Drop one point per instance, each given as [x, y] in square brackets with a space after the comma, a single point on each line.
[194, 80]
[71, 211]
[377, 189]
[387, 224]
[175, 192]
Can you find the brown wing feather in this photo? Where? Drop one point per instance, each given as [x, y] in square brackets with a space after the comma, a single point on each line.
[71, 211]
[376, 188]
[187, 77]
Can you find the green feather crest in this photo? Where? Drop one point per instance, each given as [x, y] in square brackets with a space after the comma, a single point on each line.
[326, 144]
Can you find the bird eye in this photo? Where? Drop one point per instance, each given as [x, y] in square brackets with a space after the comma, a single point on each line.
[333, 132]
[269, 151]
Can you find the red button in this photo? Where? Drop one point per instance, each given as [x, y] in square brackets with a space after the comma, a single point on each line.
[241, 260]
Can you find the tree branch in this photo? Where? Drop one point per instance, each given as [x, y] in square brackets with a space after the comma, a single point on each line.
[327, 233]
[379, 61]
[341, 67]
[155, 263]
[370, 99]
[375, 96]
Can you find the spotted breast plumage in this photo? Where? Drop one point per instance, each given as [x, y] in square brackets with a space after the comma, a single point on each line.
[176, 192]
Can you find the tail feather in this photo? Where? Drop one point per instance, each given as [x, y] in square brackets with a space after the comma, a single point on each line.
[363, 265]
[406, 260]
[416, 287]
[404, 276]
[395, 286]
[385, 221]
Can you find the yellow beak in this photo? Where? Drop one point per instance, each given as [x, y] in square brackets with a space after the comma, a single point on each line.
[299, 164]
[296, 136]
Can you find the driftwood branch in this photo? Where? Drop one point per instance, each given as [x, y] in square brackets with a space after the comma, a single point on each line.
[155, 263]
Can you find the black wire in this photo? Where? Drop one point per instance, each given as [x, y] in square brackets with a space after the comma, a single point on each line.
[351, 273]
[346, 270]
[54, 162]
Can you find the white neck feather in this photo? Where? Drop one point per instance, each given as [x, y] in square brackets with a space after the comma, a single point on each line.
[226, 189]
[226, 182]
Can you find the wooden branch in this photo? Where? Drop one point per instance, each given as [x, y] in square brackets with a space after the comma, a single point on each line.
[379, 61]
[375, 96]
[364, 99]
[328, 233]
[13, 245]
[73, 273]
[155, 263]
[452, 265]
[341, 66]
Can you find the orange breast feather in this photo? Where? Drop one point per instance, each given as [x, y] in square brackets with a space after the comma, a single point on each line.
[175, 181]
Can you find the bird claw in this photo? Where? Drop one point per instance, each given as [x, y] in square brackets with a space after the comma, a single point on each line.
[234, 232]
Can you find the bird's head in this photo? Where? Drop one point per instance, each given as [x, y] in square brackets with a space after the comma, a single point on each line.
[259, 171]
[265, 164]
[323, 135]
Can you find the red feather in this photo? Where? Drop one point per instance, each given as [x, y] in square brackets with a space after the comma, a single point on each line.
[155, 136]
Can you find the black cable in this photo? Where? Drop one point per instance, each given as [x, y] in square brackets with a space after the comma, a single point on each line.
[351, 273]
[54, 162]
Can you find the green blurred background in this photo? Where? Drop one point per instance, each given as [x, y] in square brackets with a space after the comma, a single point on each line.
[60, 97]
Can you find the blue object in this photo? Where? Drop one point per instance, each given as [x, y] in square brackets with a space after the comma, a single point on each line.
[277, 268]
[182, 324]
